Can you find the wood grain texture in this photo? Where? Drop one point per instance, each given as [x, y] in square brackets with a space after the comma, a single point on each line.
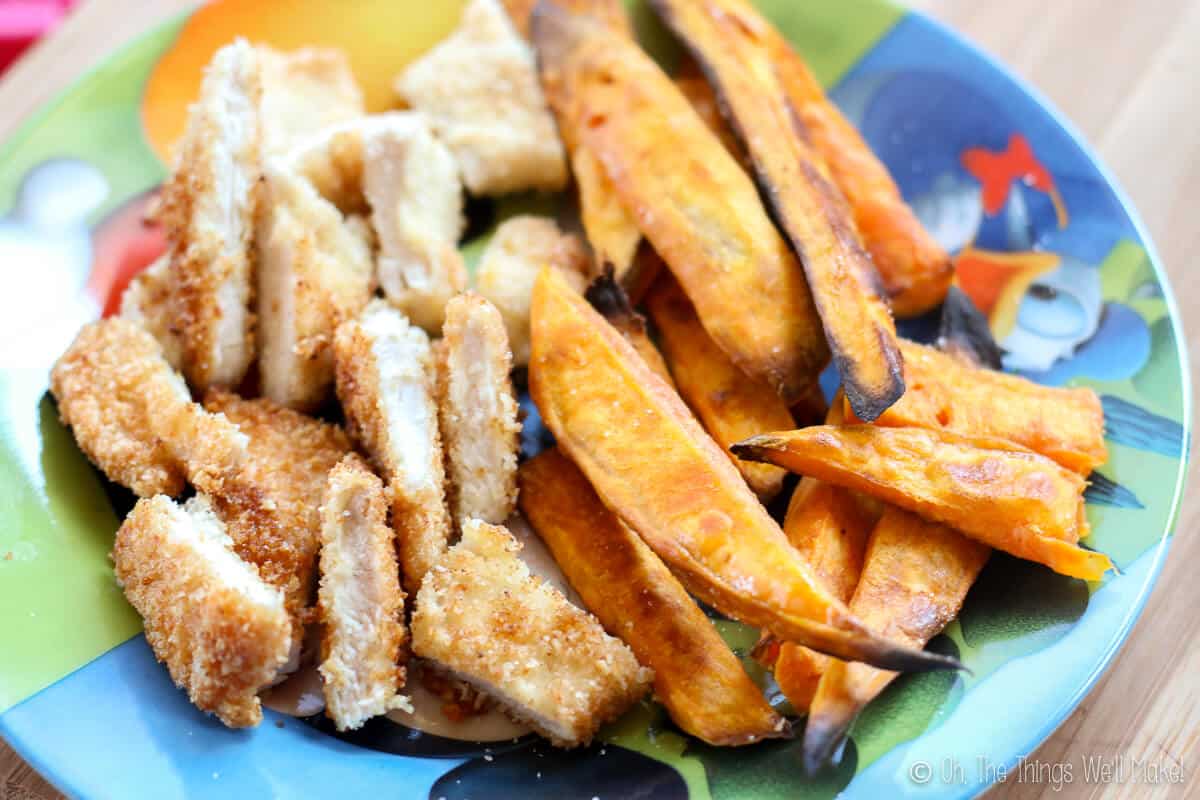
[1128, 74]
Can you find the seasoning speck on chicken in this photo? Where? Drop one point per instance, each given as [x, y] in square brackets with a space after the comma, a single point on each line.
[360, 600]
[385, 382]
[481, 90]
[220, 629]
[208, 208]
[482, 618]
[478, 411]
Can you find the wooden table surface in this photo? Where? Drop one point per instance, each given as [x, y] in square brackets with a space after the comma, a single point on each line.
[1128, 74]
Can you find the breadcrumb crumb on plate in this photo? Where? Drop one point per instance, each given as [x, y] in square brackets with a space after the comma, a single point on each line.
[360, 600]
[385, 382]
[208, 208]
[480, 88]
[478, 411]
[482, 618]
[219, 628]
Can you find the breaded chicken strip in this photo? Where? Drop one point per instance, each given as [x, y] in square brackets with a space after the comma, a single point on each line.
[510, 264]
[132, 415]
[412, 186]
[481, 89]
[360, 600]
[482, 618]
[220, 629]
[478, 411]
[303, 91]
[385, 382]
[146, 301]
[208, 208]
[314, 272]
[289, 456]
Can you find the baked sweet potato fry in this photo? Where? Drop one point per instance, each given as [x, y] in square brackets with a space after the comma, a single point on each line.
[692, 201]
[913, 267]
[994, 491]
[828, 526]
[654, 466]
[730, 405]
[633, 594]
[914, 579]
[1066, 425]
[728, 43]
[611, 229]
[606, 296]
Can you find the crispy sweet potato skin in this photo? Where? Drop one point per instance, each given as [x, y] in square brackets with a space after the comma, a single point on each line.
[992, 490]
[690, 198]
[1066, 425]
[696, 676]
[730, 405]
[915, 577]
[654, 466]
[728, 41]
[915, 270]
[607, 297]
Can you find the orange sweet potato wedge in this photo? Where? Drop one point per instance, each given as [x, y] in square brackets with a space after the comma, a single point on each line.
[606, 296]
[914, 579]
[1066, 425]
[915, 270]
[992, 490]
[730, 405]
[655, 467]
[728, 40]
[696, 676]
[610, 228]
[690, 198]
[828, 526]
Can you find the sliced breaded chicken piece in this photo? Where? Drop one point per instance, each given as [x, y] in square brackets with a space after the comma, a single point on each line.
[314, 272]
[481, 89]
[482, 618]
[220, 629]
[510, 264]
[478, 411]
[303, 91]
[288, 459]
[208, 208]
[146, 301]
[132, 415]
[360, 600]
[385, 382]
[412, 186]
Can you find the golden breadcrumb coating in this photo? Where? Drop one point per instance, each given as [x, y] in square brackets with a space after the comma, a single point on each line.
[477, 411]
[360, 600]
[303, 91]
[411, 183]
[385, 382]
[482, 617]
[272, 507]
[208, 208]
[481, 89]
[146, 301]
[219, 628]
[510, 264]
[132, 415]
[314, 272]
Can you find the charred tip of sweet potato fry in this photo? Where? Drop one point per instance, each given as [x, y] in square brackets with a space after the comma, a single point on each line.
[964, 332]
[823, 736]
[870, 396]
[608, 297]
[758, 448]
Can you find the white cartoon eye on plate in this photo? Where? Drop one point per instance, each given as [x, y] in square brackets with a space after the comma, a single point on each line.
[1059, 312]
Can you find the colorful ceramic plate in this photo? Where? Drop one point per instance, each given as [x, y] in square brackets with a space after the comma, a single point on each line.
[1047, 245]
